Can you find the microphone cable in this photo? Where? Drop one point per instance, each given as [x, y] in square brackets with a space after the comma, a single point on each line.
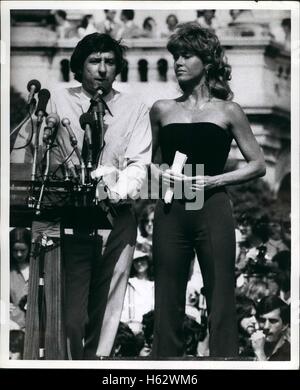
[29, 116]
[61, 164]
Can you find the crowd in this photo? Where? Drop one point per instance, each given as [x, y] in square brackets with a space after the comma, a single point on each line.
[263, 274]
[263, 265]
[126, 27]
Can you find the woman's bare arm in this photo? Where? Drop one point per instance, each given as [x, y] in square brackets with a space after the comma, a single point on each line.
[248, 146]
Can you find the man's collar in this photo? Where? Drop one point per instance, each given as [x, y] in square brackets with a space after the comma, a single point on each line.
[86, 97]
[279, 344]
[107, 97]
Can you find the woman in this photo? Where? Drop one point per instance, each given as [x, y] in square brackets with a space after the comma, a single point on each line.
[149, 28]
[20, 241]
[201, 124]
[145, 230]
[87, 26]
[139, 297]
[171, 23]
[247, 324]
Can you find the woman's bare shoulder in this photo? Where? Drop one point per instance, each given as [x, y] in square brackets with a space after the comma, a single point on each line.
[163, 105]
[232, 108]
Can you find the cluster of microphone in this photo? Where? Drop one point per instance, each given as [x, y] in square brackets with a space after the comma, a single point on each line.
[53, 121]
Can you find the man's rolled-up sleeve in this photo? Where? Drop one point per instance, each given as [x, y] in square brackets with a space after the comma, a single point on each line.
[137, 158]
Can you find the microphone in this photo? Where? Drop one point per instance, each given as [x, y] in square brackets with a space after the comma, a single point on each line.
[52, 121]
[66, 123]
[33, 87]
[44, 96]
[86, 123]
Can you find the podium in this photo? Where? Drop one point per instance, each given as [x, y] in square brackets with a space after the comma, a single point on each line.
[66, 207]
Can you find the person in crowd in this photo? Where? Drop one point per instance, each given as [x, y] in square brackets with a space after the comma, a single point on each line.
[273, 282]
[245, 239]
[201, 123]
[171, 23]
[129, 29]
[145, 227]
[192, 303]
[109, 25]
[191, 331]
[256, 288]
[282, 262]
[271, 341]
[64, 29]
[148, 322]
[206, 19]
[87, 26]
[286, 232]
[275, 242]
[149, 28]
[247, 324]
[286, 26]
[265, 243]
[20, 244]
[240, 15]
[96, 282]
[16, 344]
[126, 343]
[139, 297]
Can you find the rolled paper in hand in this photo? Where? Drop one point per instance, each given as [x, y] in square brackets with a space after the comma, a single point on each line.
[177, 166]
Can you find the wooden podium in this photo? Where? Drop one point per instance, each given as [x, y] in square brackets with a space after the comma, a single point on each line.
[65, 207]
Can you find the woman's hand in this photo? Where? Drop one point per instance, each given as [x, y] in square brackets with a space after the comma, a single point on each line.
[193, 183]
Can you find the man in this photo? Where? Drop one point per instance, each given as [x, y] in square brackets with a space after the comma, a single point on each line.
[109, 25]
[95, 286]
[206, 19]
[270, 342]
[129, 29]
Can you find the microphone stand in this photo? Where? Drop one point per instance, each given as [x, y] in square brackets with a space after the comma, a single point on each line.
[49, 143]
[36, 145]
[39, 254]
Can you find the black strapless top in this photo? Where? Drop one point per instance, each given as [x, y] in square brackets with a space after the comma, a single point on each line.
[203, 143]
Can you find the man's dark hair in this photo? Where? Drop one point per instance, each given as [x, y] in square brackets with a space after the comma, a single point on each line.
[270, 303]
[126, 342]
[148, 326]
[128, 13]
[93, 43]
[191, 331]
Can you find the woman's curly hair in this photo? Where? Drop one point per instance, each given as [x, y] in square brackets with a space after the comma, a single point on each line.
[190, 37]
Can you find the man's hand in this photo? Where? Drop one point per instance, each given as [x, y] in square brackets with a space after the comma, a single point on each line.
[258, 340]
[103, 171]
[108, 176]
